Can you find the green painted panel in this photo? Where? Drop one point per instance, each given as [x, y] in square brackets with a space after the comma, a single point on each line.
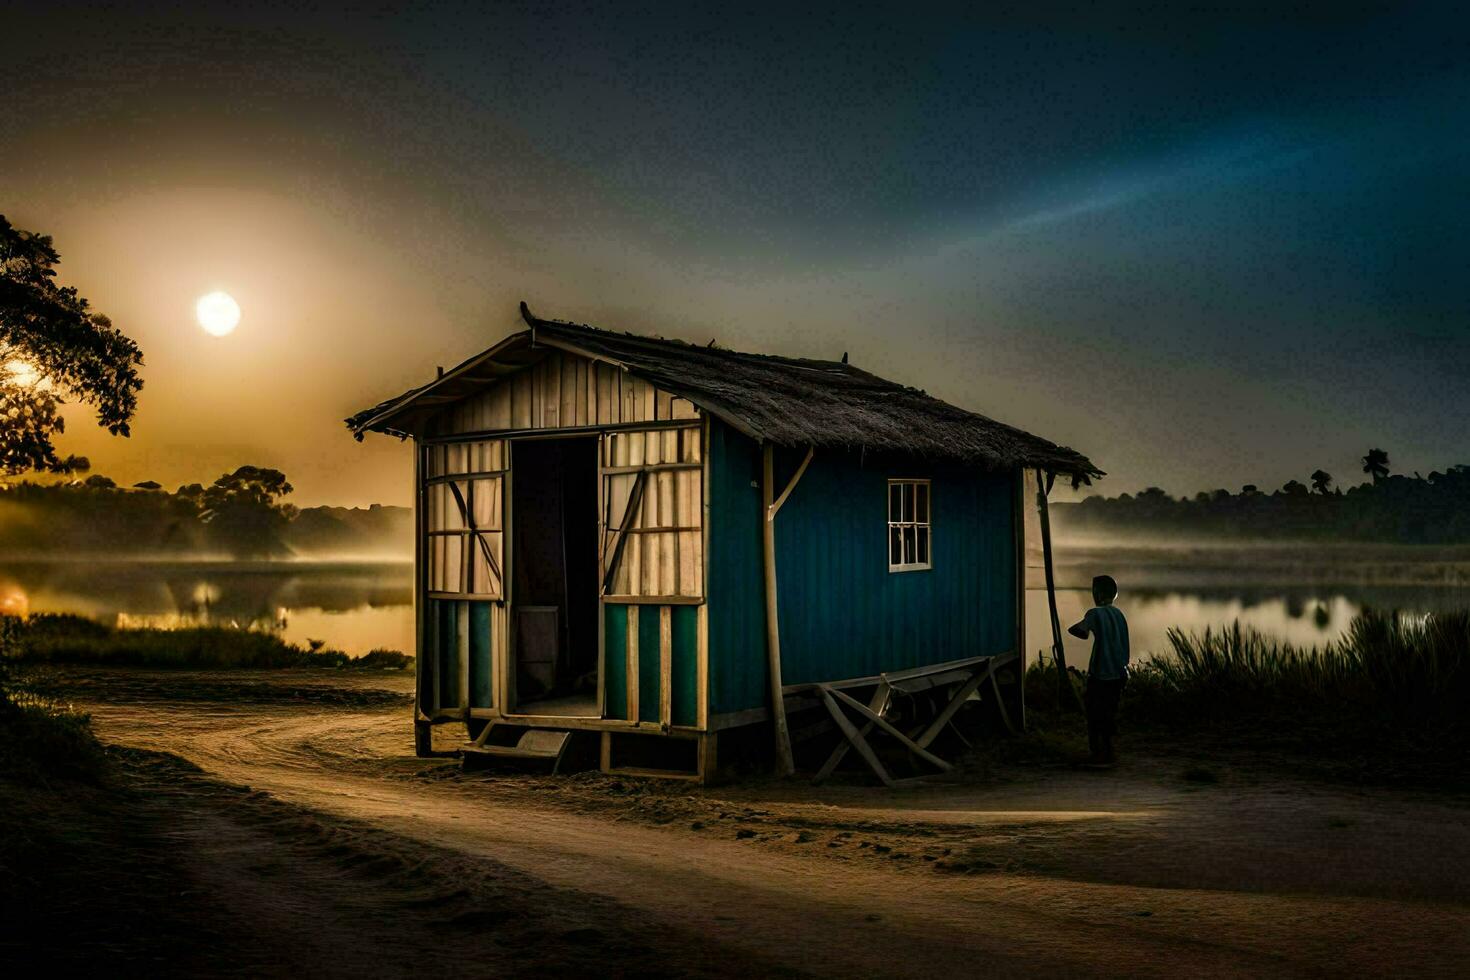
[447, 652]
[615, 661]
[481, 695]
[685, 667]
[648, 663]
[737, 619]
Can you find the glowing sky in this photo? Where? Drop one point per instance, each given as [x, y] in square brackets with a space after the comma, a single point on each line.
[1204, 249]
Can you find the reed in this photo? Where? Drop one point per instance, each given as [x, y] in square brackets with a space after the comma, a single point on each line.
[1412, 672]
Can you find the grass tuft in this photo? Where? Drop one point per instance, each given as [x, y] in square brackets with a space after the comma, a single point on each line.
[41, 739]
[1385, 703]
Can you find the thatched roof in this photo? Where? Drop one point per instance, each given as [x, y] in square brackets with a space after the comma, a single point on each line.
[789, 401]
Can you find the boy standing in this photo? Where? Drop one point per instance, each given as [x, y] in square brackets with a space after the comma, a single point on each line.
[1107, 671]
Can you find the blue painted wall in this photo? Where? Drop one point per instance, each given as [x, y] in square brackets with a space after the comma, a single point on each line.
[843, 614]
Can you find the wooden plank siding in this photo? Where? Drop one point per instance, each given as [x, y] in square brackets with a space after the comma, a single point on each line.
[664, 553]
[563, 391]
[652, 639]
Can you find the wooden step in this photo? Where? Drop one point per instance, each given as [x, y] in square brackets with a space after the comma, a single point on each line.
[536, 746]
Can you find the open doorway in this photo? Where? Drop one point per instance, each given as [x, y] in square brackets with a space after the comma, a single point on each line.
[554, 581]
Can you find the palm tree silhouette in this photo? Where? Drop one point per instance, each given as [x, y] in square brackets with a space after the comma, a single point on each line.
[1375, 464]
[1322, 481]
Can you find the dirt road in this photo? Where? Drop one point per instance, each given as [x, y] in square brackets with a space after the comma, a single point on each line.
[1132, 873]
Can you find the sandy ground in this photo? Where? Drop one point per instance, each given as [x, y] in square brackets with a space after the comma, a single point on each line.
[321, 843]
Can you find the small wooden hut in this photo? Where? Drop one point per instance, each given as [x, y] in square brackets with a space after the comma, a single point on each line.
[661, 542]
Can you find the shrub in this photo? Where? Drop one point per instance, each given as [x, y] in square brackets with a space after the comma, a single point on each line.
[40, 739]
[382, 659]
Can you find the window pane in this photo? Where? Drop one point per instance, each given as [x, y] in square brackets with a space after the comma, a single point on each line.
[923, 549]
[895, 547]
[444, 563]
[921, 509]
[908, 546]
[443, 512]
[486, 503]
[908, 501]
[895, 511]
[458, 461]
[483, 580]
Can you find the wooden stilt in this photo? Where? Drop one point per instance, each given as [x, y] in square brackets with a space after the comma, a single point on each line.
[1066, 693]
[785, 764]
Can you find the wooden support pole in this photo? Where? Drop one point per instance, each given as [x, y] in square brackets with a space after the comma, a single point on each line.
[1066, 693]
[785, 764]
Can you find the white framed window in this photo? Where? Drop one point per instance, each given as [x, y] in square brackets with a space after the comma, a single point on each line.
[464, 492]
[910, 534]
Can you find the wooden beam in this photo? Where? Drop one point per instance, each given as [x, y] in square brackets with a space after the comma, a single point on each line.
[653, 600]
[795, 479]
[632, 664]
[884, 724]
[562, 432]
[856, 739]
[970, 686]
[665, 666]
[1020, 535]
[785, 765]
[708, 759]
[1066, 694]
[1005, 716]
[879, 704]
[635, 500]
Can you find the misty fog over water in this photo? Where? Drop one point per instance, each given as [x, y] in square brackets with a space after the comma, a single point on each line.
[1304, 594]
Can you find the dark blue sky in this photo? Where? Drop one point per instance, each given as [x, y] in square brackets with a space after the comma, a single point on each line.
[1204, 248]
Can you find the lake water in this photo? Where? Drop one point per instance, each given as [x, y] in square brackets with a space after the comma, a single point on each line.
[351, 606]
[1305, 595]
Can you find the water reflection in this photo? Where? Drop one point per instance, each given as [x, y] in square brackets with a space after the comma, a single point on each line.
[356, 606]
[1305, 616]
[352, 606]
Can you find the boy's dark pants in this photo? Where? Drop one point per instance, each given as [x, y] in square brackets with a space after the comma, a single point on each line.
[1102, 716]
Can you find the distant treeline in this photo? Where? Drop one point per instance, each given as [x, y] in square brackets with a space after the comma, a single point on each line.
[1433, 509]
[240, 515]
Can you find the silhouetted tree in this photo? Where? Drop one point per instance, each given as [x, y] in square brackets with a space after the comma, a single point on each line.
[1375, 464]
[53, 346]
[243, 513]
[1435, 509]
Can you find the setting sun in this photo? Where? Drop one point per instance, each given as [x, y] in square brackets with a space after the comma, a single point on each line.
[218, 313]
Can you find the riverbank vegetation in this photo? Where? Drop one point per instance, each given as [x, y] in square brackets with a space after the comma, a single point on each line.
[1385, 702]
[242, 514]
[66, 639]
[42, 739]
[1417, 509]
